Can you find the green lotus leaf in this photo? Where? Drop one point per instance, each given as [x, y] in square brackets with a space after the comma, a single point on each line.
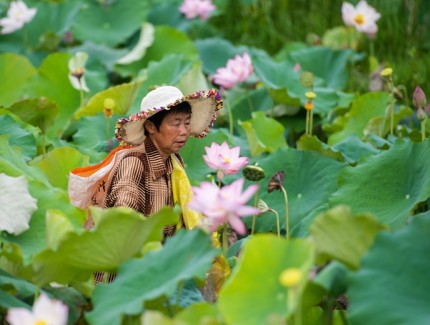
[57, 226]
[342, 236]
[388, 185]
[284, 84]
[353, 148]
[15, 71]
[58, 163]
[123, 95]
[363, 109]
[20, 133]
[53, 18]
[40, 112]
[396, 268]
[264, 134]
[168, 71]
[104, 248]
[109, 24]
[253, 293]
[52, 82]
[167, 42]
[306, 142]
[187, 255]
[197, 313]
[310, 179]
[381, 124]
[332, 277]
[328, 64]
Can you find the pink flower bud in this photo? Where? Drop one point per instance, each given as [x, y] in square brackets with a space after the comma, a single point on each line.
[419, 97]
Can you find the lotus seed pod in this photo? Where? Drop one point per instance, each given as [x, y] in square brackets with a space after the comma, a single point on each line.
[386, 72]
[253, 173]
[262, 206]
[307, 79]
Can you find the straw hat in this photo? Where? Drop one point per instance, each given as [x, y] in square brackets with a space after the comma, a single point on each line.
[204, 108]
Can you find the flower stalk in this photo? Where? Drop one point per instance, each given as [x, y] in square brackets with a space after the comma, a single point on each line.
[388, 74]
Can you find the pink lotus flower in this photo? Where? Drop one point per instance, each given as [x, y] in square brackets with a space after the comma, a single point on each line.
[194, 8]
[18, 15]
[45, 311]
[363, 17]
[224, 159]
[236, 71]
[224, 206]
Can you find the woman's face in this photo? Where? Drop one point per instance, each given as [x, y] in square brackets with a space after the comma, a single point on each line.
[173, 134]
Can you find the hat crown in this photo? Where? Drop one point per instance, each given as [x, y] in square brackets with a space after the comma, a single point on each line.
[161, 97]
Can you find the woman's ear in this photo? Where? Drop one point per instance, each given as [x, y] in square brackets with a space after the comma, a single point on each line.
[149, 127]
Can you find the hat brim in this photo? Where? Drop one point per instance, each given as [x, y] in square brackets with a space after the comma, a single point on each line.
[204, 111]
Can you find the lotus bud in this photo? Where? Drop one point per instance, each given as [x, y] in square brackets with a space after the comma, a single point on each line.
[421, 114]
[253, 173]
[307, 79]
[387, 72]
[109, 105]
[419, 98]
[290, 277]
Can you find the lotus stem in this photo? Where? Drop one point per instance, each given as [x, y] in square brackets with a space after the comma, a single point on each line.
[423, 130]
[287, 228]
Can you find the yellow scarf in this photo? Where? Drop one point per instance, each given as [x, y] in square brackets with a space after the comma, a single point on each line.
[182, 195]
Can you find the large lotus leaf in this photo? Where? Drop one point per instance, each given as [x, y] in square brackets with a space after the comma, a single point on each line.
[15, 71]
[51, 17]
[325, 63]
[264, 134]
[285, 86]
[353, 148]
[168, 71]
[17, 204]
[193, 153]
[109, 24]
[381, 124]
[187, 255]
[52, 81]
[95, 132]
[40, 112]
[13, 163]
[104, 248]
[310, 179]
[193, 80]
[197, 313]
[388, 185]
[167, 41]
[340, 235]
[58, 163]
[392, 286]
[123, 95]
[105, 55]
[244, 102]
[363, 109]
[19, 133]
[253, 292]
[306, 142]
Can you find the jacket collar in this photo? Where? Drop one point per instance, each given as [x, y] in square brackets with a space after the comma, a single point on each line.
[156, 164]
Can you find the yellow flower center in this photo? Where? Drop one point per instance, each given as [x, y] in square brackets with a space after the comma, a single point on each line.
[40, 322]
[359, 19]
[226, 159]
[290, 277]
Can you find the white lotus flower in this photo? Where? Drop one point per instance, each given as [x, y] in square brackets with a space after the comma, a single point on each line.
[18, 15]
[77, 71]
[45, 311]
[17, 205]
[363, 17]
